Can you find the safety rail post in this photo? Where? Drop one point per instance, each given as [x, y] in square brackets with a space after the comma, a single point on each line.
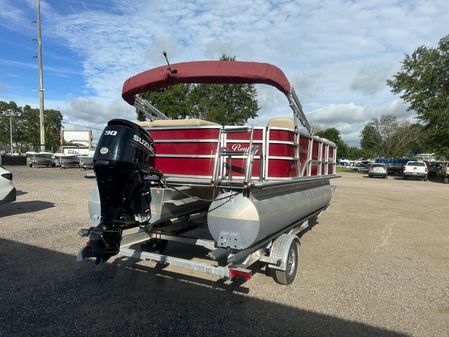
[298, 151]
[215, 180]
[320, 158]
[248, 156]
[309, 157]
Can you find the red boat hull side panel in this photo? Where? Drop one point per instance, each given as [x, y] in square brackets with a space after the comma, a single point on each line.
[282, 150]
[282, 168]
[185, 134]
[245, 135]
[331, 160]
[282, 135]
[200, 167]
[238, 167]
[191, 152]
[303, 151]
[190, 148]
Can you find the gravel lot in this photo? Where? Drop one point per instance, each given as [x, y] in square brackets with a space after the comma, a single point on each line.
[377, 264]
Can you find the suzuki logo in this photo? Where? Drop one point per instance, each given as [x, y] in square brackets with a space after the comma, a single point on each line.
[147, 145]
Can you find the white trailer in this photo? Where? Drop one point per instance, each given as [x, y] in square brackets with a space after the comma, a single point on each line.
[280, 251]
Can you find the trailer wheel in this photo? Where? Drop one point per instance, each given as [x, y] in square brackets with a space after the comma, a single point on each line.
[288, 275]
[155, 245]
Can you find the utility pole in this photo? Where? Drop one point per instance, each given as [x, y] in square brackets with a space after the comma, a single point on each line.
[10, 133]
[41, 78]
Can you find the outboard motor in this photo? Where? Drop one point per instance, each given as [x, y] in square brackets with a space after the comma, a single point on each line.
[123, 164]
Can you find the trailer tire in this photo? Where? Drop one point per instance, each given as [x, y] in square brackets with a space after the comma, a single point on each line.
[288, 275]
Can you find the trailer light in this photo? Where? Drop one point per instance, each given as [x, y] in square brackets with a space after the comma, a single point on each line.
[244, 274]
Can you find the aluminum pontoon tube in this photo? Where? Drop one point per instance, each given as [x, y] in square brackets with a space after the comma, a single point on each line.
[242, 255]
[240, 221]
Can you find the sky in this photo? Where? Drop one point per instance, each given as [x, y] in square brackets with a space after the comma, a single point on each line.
[337, 54]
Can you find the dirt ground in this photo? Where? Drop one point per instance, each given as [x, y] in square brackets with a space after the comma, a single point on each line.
[377, 264]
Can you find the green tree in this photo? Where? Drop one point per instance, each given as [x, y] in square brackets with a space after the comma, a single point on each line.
[333, 135]
[7, 111]
[26, 127]
[387, 136]
[174, 101]
[220, 103]
[355, 153]
[370, 138]
[423, 82]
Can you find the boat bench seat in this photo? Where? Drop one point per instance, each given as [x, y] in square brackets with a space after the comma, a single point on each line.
[285, 123]
[176, 122]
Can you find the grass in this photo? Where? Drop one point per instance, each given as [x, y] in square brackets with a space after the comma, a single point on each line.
[346, 169]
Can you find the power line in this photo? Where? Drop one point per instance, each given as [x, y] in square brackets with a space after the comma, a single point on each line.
[82, 126]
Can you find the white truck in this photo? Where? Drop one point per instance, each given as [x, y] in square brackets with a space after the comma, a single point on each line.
[415, 169]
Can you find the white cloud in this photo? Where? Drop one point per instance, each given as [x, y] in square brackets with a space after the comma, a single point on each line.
[371, 78]
[350, 118]
[12, 17]
[336, 53]
[55, 70]
[82, 108]
[92, 113]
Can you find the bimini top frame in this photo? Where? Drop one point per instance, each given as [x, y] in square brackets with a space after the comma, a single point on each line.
[214, 72]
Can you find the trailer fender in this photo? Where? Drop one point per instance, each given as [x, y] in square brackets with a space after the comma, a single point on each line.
[280, 248]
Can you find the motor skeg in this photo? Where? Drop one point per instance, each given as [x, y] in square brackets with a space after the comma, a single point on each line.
[123, 158]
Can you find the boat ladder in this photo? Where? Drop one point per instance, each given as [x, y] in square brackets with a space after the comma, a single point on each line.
[223, 159]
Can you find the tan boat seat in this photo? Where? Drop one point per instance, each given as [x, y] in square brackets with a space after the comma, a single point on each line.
[175, 122]
[324, 140]
[286, 123]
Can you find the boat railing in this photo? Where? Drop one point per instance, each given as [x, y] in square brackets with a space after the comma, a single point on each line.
[148, 109]
[223, 160]
[248, 156]
[308, 166]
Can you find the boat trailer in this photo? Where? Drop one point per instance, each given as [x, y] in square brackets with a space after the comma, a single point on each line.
[280, 251]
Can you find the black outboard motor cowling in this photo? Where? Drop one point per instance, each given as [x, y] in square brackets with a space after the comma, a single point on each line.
[123, 158]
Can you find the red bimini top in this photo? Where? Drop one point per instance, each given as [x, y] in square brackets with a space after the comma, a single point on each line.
[209, 72]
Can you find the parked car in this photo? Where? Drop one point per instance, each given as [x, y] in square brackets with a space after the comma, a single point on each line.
[7, 189]
[436, 169]
[360, 167]
[395, 166]
[377, 170]
[415, 169]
